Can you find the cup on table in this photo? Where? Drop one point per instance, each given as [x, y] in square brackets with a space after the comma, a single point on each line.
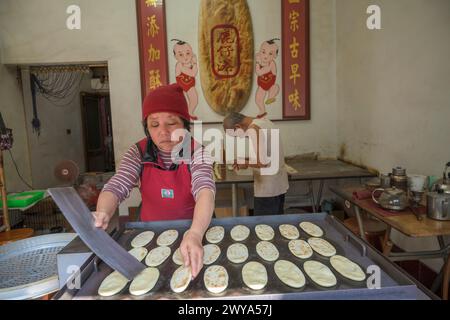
[417, 182]
[385, 181]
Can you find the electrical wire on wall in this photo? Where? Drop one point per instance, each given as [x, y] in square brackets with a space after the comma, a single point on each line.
[57, 84]
[18, 172]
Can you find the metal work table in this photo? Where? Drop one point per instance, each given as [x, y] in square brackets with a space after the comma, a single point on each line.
[394, 284]
[307, 170]
[408, 225]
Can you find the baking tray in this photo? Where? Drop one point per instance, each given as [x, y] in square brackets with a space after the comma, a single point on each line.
[394, 283]
[28, 267]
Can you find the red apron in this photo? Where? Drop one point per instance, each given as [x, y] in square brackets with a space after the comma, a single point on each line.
[166, 194]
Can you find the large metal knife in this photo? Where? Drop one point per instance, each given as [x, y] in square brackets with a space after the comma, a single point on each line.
[82, 220]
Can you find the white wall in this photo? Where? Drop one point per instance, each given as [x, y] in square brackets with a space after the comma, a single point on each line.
[11, 107]
[35, 32]
[54, 144]
[319, 134]
[393, 84]
[393, 101]
[386, 90]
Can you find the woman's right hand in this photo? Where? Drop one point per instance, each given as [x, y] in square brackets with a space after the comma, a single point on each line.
[101, 219]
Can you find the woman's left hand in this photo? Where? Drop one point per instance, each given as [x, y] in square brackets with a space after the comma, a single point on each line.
[192, 251]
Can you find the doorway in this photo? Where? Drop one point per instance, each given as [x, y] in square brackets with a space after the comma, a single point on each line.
[97, 132]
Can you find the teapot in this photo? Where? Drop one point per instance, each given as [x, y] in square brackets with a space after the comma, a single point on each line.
[443, 185]
[391, 199]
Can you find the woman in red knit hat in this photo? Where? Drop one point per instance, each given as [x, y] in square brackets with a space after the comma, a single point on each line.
[173, 172]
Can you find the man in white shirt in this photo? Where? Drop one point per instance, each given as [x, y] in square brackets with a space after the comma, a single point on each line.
[270, 175]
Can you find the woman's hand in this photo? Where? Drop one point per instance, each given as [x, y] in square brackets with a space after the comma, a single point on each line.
[192, 251]
[106, 206]
[101, 219]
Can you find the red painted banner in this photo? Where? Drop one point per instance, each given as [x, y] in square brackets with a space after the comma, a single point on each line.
[296, 95]
[152, 44]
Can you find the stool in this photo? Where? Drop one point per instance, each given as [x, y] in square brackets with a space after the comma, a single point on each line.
[374, 230]
[15, 235]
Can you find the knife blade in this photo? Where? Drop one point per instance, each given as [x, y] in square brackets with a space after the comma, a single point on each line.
[81, 219]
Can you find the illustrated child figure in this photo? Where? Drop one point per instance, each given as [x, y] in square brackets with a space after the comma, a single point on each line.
[266, 70]
[186, 70]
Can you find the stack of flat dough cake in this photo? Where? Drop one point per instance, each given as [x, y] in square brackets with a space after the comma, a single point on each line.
[254, 274]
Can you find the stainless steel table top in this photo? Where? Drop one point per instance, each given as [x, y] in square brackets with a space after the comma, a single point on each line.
[394, 283]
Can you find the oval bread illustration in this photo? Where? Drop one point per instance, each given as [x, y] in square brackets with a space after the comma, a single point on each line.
[226, 54]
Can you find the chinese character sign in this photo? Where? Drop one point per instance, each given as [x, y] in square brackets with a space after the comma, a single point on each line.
[295, 17]
[225, 51]
[152, 44]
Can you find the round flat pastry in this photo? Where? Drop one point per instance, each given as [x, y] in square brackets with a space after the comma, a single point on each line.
[240, 233]
[300, 249]
[237, 253]
[180, 279]
[211, 253]
[215, 234]
[112, 284]
[289, 231]
[312, 229]
[264, 232]
[139, 253]
[320, 273]
[157, 256]
[347, 268]
[216, 279]
[289, 274]
[267, 251]
[167, 238]
[322, 247]
[142, 239]
[144, 282]
[177, 258]
[254, 275]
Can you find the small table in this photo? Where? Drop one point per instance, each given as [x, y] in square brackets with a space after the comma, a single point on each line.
[408, 225]
[15, 235]
[307, 170]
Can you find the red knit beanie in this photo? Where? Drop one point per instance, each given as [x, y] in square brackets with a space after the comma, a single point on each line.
[168, 98]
